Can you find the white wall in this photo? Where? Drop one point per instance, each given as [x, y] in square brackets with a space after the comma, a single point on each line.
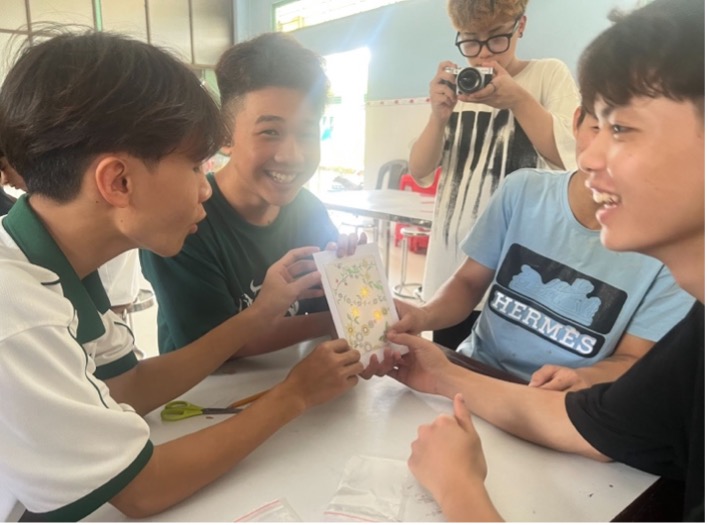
[407, 40]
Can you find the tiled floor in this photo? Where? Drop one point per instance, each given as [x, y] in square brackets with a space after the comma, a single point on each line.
[145, 323]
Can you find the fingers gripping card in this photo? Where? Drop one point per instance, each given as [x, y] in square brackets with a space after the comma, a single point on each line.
[359, 299]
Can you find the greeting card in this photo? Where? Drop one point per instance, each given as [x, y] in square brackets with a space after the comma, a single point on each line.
[359, 299]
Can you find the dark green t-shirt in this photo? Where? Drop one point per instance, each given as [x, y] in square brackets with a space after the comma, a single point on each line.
[221, 268]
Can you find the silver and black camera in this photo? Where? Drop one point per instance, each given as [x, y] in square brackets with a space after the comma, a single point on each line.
[471, 79]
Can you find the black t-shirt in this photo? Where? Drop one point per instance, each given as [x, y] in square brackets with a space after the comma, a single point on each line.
[653, 417]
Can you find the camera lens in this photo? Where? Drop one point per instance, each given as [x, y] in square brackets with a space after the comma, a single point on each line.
[469, 80]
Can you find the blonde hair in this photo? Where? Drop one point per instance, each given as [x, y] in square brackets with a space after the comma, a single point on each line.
[467, 13]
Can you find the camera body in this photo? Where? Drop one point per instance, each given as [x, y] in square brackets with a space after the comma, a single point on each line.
[471, 79]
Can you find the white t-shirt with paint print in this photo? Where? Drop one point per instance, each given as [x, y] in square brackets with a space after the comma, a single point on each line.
[484, 144]
[558, 295]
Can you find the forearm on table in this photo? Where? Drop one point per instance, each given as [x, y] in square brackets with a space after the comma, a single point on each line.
[469, 502]
[157, 380]
[181, 467]
[537, 123]
[628, 351]
[532, 414]
[607, 370]
[288, 331]
[427, 150]
[452, 303]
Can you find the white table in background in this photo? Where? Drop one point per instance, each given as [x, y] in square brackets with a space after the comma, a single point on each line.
[388, 206]
[304, 462]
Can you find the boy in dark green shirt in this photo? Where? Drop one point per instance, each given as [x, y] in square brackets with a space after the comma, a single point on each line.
[273, 93]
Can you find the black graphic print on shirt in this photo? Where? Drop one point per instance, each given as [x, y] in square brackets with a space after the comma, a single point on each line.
[246, 299]
[556, 302]
[481, 148]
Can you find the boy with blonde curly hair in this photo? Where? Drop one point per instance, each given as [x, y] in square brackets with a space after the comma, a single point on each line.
[521, 119]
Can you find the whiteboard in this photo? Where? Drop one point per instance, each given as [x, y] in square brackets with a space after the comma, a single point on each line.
[391, 128]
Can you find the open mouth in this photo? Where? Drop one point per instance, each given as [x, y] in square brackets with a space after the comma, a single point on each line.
[606, 199]
[282, 178]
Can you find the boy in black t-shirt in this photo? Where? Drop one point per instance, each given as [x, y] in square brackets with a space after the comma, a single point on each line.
[645, 79]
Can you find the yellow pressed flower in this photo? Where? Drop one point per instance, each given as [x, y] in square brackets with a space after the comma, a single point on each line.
[378, 315]
[364, 292]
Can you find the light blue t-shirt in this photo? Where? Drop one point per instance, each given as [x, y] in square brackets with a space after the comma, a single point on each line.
[558, 295]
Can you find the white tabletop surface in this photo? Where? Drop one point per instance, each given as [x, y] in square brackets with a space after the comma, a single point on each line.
[390, 205]
[304, 462]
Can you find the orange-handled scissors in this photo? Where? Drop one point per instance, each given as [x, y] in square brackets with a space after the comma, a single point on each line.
[176, 410]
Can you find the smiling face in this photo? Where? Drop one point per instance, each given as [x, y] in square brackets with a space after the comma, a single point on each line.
[275, 146]
[647, 167]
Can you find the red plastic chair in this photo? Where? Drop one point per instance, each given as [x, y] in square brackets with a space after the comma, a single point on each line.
[408, 183]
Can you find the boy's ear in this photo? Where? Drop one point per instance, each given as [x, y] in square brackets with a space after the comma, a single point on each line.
[113, 180]
[576, 120]
[522, 26]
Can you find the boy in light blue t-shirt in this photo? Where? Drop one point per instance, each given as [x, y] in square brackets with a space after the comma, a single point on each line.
[562, 311]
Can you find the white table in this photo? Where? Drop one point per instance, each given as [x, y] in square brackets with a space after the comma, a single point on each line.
[384, 205]
[304, 461]
[389, 205]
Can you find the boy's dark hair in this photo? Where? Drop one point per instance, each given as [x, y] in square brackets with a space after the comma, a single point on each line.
[655, 51]
[75, 96]
[269, 60]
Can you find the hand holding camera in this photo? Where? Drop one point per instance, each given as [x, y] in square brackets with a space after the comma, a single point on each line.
[442, 94]
[488, 83]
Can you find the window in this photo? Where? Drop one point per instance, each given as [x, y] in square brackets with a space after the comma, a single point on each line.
[297, 14]
[197, 30]
[343, 123]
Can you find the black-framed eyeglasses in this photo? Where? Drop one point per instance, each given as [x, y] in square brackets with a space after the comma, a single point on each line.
[496, 43]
